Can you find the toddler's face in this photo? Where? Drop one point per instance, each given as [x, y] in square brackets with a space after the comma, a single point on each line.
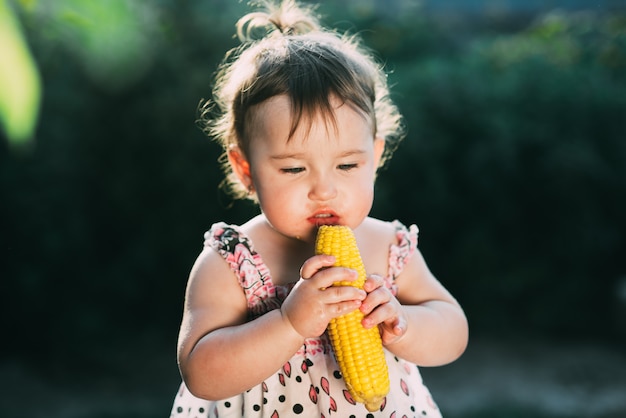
[324, 175]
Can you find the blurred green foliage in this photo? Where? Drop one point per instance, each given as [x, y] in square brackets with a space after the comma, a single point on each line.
[514, 167]
[19, 80]
[518, 158]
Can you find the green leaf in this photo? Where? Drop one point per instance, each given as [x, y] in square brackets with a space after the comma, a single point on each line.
[20, 85]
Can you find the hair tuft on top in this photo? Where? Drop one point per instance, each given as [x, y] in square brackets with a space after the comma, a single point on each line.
[288, 18]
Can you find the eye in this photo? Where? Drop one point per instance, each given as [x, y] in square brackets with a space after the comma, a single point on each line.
[292, 170]
[347, 167]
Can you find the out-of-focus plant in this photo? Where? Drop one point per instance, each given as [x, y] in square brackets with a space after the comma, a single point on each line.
[563, 39]
[516, 149]
[112, 38]
[113, 41]
[20, 86]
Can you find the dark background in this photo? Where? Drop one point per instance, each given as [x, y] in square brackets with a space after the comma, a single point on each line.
[514, 169]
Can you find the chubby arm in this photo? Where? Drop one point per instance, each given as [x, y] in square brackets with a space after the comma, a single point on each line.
[221, 355]
[423, 324]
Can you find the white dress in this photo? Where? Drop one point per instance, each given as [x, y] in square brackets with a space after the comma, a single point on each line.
[310, 384]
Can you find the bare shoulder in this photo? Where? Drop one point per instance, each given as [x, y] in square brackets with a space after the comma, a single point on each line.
[214, 299]
[376, 230]
[374, 237]
[377, 227]
[209, 273]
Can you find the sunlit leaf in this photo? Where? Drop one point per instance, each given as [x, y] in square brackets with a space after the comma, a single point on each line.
[20, 86]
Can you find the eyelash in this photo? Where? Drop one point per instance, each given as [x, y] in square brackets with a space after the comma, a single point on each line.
[292, 170]
[297, 170]
[347, 167]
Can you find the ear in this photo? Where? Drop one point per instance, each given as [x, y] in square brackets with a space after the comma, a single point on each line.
[241, 166]
[379, 148]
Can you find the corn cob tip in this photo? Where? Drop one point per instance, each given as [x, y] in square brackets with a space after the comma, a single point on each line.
[373, 405]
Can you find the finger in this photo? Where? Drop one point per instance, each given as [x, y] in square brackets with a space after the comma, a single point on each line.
[329, 276]
[343, 308]
[397, 325]
[373, 282]
[337, 294]
[375, 298]
[314, 264]
[380, 315]
[395, 332]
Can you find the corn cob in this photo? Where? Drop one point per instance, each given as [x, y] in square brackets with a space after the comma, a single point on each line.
[359, 351]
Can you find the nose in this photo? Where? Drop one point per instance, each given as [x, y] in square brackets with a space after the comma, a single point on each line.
[322, 188]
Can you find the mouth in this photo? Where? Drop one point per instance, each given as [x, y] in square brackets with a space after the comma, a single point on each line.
[324, 218]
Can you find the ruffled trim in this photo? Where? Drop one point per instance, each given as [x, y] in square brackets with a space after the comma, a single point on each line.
[253, 275]
[400, 253]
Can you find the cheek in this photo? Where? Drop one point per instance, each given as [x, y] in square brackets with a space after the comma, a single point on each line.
[366, 183]
[367, 188]
[273, 195]
[367, 196]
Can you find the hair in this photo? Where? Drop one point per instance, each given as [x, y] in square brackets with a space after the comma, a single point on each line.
[285, 51]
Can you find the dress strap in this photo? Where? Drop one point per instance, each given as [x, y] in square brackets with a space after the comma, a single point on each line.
[253, 274]
[236, 249]
[401, 252]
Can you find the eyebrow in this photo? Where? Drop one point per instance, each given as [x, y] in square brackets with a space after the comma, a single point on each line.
[295, 156]
[300, 155]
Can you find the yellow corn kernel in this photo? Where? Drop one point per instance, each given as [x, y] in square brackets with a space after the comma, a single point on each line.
[359, 351]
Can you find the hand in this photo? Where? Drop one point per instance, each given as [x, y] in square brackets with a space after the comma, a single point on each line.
[382, 308]
[313, 301]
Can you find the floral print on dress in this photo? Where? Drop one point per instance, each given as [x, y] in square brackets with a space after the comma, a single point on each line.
[310, 383]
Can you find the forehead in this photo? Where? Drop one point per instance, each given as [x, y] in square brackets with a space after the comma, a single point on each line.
[276, 118]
